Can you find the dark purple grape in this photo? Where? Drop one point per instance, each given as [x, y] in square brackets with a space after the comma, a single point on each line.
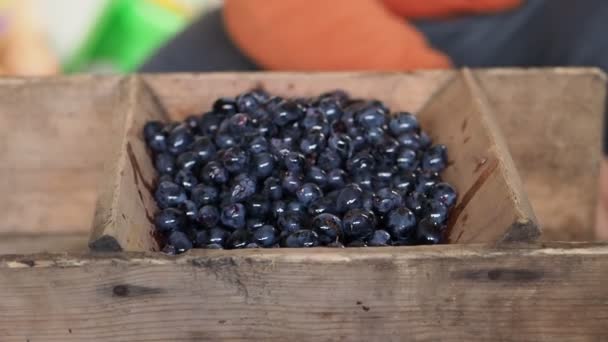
[152, 128]
[444, 193]
[401, 223]
[186, 179]
[180, 241]
[302, 238]
[169, 194]
[214, 172]
[290, 221]
[273, 189]
[257, 206]
[415, 202]
[263, 165]
[169, 219]
[204, 149]
[190, 209]
[407, 159]
[218, 236]
[204, 194]
[266, 236]
[358, 224]
[164, 164]
[308, 193]
[179, 140]
[386, 200]
[379, 238]
[235, 159]
[435, 211]
[225, 106]
[403, 122]
[208, 216]
[243, 188]
[428, 233]
[435, 159]
[233, 216]
[328, 227]
[238, 239]
[318, 176]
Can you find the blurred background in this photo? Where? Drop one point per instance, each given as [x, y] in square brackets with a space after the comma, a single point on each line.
[66, 36]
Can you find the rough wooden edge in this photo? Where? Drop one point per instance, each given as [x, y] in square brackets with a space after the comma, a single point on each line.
[307, 255]
[109, 233]
[497, 71]
[449, 293]
[105, 215]
[525, 228]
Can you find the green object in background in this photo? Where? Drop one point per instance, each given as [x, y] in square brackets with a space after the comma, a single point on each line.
[127, 33]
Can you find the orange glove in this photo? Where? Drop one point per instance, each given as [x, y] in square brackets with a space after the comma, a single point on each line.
[341, 34]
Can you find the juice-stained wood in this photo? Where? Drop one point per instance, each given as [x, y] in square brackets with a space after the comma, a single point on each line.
[439, 293]
[53, 138]
[492, 206]
[552, 121]
[124, 214]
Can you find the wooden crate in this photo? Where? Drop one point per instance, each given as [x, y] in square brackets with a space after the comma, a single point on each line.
[492, 205]
[458, 292]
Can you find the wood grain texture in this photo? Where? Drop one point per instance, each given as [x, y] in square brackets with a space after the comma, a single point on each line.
[492, 205]
[446, 293]
[53, 134]
[12, 243]
[124, 213]
[552, 120]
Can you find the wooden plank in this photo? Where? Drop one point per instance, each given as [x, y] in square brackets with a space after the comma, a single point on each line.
[11, 243]
[492, 205]
[53, 134]
[552, 120]
[124, 214]
[447, 293]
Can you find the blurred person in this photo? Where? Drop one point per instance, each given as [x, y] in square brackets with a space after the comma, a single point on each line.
[23, 49]
[309, 35]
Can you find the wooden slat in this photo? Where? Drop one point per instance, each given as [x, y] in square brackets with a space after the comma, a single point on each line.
[552, 120]
[12, 243]
[446, 293]
[53, 138]
[124, 214]
[492, 206]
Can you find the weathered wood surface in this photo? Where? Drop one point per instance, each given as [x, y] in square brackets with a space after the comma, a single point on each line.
[445, 293]
[53, 138]
[54, 134]
[14, 243]
[492, 205]
[124, 213]
[552, 119]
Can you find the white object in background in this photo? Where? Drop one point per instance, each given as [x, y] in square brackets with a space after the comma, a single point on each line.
[68, 22]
